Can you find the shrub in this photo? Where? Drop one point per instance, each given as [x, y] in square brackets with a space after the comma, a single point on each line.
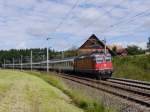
[134, 67]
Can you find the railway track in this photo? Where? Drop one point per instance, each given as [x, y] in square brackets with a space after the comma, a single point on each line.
[135, 92]
[133, 83]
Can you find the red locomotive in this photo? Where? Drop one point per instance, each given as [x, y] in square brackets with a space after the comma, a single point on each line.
[99, 65]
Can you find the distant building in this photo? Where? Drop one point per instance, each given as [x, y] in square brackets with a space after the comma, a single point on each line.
[119, 50]
[93, 44]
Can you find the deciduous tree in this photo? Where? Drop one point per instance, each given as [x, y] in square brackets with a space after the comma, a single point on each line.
[134, 50]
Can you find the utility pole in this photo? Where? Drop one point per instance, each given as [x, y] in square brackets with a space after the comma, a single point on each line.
[104, 41]
[13, 63]
[47, 60]
[48, 55]
[4, 63]
[62, 56]
[31, 59]
[21, 62]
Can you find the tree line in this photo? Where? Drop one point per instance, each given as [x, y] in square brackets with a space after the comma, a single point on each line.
[39, 54]
[135, 50]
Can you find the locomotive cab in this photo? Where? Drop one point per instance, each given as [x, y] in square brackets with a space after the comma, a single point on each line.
[103, 66]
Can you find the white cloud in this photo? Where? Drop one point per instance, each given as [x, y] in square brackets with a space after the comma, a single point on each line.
[24, 20]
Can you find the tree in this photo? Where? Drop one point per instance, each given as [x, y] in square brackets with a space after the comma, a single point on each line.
[134, 50]
[148, 44]
[114, 49]
[71, 52]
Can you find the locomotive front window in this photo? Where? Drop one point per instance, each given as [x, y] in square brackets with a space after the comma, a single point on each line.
[108, 59]
[99, 60]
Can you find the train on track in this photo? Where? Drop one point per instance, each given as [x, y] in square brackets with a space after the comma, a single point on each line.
[98, 65]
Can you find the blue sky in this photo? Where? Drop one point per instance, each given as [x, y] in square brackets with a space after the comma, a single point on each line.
[27, 23]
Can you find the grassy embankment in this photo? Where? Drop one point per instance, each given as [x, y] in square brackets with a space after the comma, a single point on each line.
[79, 98]
[132, 67]
[21, 92]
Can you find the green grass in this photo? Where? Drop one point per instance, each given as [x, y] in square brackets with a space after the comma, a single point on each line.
[21, 92]
[132, 67]
[78, 97]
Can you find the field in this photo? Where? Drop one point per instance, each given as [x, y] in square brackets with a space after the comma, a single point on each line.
[84, 98]
[133, 67]
[22, 92]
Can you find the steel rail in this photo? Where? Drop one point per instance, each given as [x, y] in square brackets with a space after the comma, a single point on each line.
[119, 86]
[140, 98]
[142, 86]
[132, 81]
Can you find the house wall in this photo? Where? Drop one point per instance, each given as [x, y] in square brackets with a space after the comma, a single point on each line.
[88, 51]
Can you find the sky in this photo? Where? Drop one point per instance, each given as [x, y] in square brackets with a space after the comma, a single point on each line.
[69, 23]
